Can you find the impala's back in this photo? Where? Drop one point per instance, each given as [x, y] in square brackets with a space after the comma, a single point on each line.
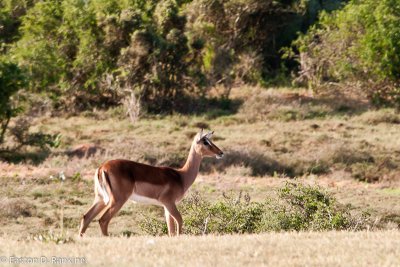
[148, 181]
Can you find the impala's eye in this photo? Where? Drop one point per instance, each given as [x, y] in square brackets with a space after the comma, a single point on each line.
[205, 142]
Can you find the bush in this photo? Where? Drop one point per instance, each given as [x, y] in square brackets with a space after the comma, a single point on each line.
[157, 61]
[297, 207]
[232, 215]
[229, 216]
[11, 81]
[22, 137]
[66, 54]
[11, 12]
[88, 53]
[309, 208]
[38, 50]
[357, 46]
[241, 40]
[19, 139]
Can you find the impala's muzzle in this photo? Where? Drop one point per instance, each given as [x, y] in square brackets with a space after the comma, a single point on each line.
[218, 152]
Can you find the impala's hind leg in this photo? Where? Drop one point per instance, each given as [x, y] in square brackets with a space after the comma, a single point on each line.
[112, 209]
[94, 210]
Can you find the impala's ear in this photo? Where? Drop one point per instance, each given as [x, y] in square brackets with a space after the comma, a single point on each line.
[209, 135]
[200, 135]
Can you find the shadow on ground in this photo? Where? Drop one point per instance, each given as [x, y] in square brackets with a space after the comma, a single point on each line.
[258, 163]
[211, 107]
[16, 157]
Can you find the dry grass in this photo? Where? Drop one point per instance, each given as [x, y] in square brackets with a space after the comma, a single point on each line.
[14, 208]
[34, 206]
[275, 249]
[277, 132]
[274, 136]
[376, 117]
[340, 146]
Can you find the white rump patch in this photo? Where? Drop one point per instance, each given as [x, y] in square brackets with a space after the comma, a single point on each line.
[101, 187]
[144, 200]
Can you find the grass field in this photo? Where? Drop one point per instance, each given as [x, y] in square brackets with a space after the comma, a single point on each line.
[274, 249]
[268, 136]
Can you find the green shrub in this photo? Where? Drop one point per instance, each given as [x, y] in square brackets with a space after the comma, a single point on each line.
[357, 46]
[20, 133]
[241, 40]
[63, 49]
[89, 53]
[19, 139]
[309, 208]
[39, 50]
[229, 216]
[11, 81]
[11, 12]
[296, 207]
[157, 62]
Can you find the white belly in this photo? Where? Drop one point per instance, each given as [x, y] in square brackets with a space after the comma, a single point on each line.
[144, 200]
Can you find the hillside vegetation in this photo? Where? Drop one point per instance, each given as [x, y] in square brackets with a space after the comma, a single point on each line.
[353, 155]
[303, 96]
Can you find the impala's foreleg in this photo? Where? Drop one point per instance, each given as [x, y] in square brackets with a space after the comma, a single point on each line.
[170, 223]
[174, 217]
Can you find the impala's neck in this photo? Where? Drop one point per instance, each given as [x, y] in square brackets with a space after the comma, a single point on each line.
[190, 170]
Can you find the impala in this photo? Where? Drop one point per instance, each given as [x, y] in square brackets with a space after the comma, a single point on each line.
[117, 181]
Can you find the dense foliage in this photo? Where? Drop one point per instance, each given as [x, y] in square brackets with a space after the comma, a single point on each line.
[357, 46]
[91, 53]
[84, 53]
[296, 207]
[11, 80]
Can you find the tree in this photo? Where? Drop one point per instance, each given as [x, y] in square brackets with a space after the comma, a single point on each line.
[11, 81]
[357, 46]
[158, 61]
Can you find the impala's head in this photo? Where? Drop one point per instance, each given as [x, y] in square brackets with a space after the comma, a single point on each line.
[205, 147]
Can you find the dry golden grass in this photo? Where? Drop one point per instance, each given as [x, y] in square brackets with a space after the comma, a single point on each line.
[274, 249]
[275, 134]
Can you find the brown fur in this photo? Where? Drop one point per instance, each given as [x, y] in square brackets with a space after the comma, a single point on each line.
[163, 184]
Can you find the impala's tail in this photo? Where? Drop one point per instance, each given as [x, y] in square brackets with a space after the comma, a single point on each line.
[102, 185]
